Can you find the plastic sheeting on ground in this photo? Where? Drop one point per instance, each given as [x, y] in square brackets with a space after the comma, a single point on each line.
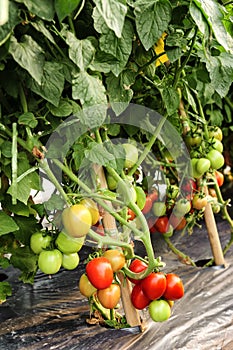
[52, 314]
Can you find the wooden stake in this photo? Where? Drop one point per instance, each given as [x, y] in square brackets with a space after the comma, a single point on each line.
[109, 223]
[213, 234]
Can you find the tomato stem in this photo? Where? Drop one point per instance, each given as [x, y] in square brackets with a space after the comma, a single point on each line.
[185, 258]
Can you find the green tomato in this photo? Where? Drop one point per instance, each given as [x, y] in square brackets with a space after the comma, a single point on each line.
[67, 244]
[195, 174]
[126, 191]
[202, 165]
[112, 184]
[218, 145]
[39, 241]
[182, 207]
[50, 261]
[131, 155]
[159, 208]
[193, 139]
[159, 310]
[141, 197]
[70, 261]
[216, 159]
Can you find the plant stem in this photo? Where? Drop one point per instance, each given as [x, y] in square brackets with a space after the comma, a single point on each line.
[185, 258]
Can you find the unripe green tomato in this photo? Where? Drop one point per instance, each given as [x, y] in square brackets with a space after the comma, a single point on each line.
[159, 208]
[39, 241]
[112, 184]
[131, 155]
[202, 165]
[159, 310]
[126, 191]
[218, 145]
[70, 261]
[50, 261]
[141, 197]
[67, 244]
[77, 220]
[196, 174]
[216, 159]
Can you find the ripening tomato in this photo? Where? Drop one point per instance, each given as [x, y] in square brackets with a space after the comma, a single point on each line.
[76, 220]
[131, 214]
[109, 297]
[138, 298]
[93, 208]
[154, 195]
[178, 223]
[216, 132]
[99, 272]
[159, 310]
[199, 202]
[219, 177]
[116, 258]
[137, 266]
[50, 261]
[154, 285]
[174, 287]
[85, 286]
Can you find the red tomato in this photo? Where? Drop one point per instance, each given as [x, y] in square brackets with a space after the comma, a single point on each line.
[150, 223]
[138, 298]
[99, 272]
[137, 266]
[188, 187]
[154, 285]
[154, 196]
[109, 297]
[162, 224]
[219, 177]
[131, 214]
[178, 223]
[175, 288]
[148, 205]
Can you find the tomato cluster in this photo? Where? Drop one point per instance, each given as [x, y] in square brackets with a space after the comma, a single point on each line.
[157, 291]
[99, 280]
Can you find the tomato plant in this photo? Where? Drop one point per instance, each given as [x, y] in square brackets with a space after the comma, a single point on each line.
[109, 297]
[50, 261]
[99, 272]
[154, 285]
[159, 310]
[174, 287]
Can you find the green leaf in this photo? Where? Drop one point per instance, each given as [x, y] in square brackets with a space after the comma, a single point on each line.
[24, 259]
[29, 182]
[64, 109]
[5, 291]
[81, 52]
[119, 90]
[7, 224]
[41, 28]
[118, 47]
[52, 83]
[220, 70]
[171, 99]
[27, 225]
[54, 202]
[112, 12]
[214, 15]
[42, 8]
[65, 8]
[199, 18]
[29, 55]
[28, 119]
[19, 208]
[98, 154]
[14, 19]
[90, 91]
[152, 19]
